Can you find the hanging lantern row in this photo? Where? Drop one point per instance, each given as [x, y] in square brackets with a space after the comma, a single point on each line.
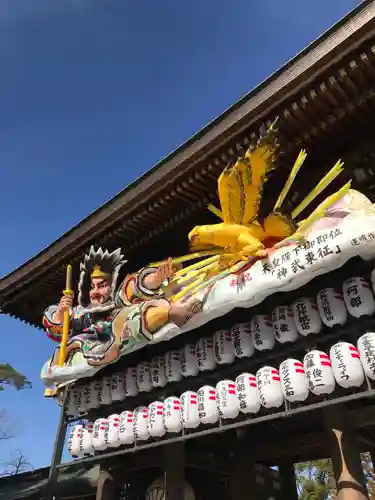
[318, 373]
[306, 316]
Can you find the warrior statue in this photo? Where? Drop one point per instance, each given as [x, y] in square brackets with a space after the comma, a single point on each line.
[108, 322]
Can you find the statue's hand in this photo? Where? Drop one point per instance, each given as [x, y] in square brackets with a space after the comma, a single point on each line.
[165, 271]
[66, 302]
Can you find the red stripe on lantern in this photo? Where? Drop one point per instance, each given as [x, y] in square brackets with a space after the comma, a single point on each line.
[252, 384]
[232, 391]
[300, 370]
[277, 379]
[212, 398]
[323, 356]
[326, 363]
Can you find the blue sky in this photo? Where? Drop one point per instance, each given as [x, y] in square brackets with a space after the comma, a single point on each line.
[92, 94]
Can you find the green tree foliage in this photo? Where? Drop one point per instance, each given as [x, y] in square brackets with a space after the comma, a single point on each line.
[10, 376]
[315, 480]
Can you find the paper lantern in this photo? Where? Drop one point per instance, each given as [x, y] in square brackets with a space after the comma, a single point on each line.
[293, 380]
[105, 391]
[270, 392]
[331, 307]
[306, 316]
[189, 410]
[262, 332]
[95, 389]
[319, 374]
[99, 436]
[158, 372]
[242, 341]
[223, 347]
[126, 432]
[130, 382]
[188, 361]
[71, 408]
[172, 366]
[113, 438]
[247, 393]
[155, 421]
[172, 414]
[205, 354]
[358, 297]
[144, 381]
[366, 349]
[140, 417]
[346, 365]
[284, 326]
[74, 448]
[117, 387]
[207, 409]
[86, 447]
[226, 399]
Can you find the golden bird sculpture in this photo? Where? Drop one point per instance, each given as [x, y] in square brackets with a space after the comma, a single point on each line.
[221, 249]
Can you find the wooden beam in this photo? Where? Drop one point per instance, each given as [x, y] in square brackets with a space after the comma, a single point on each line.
[288, 480]
[174, 468]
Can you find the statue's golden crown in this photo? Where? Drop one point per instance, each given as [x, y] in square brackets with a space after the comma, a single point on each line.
[97, 272]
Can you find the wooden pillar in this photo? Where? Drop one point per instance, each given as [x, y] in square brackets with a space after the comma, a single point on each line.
[243, 474]
[288, 481]
[174, 469]
[106, 489]
[345, 457]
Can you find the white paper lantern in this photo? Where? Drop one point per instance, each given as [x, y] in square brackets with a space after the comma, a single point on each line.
[207, 409]
[242, 341]
[262, 332]
[270, 392]
[126, 432]
[140, 417]
[319, 374]
[130, 382]
[117, 387]
[284, 327]
[293, 380]
[86, 447]
[331, 307]
[247, 393]
[144, 381]
[346, 365]
[99, 436]
[306, 316]
[358, 297]
[205, 354]
[95, 389]
[105, 391]
[189, 410]
[113, 438]
[366, 349]
[172, 366]
[158, 372]
[74, 448]
[155, 421]
[172, 414]
[226, 399]
[71, 408]
[188, 361]
[223, 347]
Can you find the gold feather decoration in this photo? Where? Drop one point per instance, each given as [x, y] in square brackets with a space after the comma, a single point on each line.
[223, 248]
